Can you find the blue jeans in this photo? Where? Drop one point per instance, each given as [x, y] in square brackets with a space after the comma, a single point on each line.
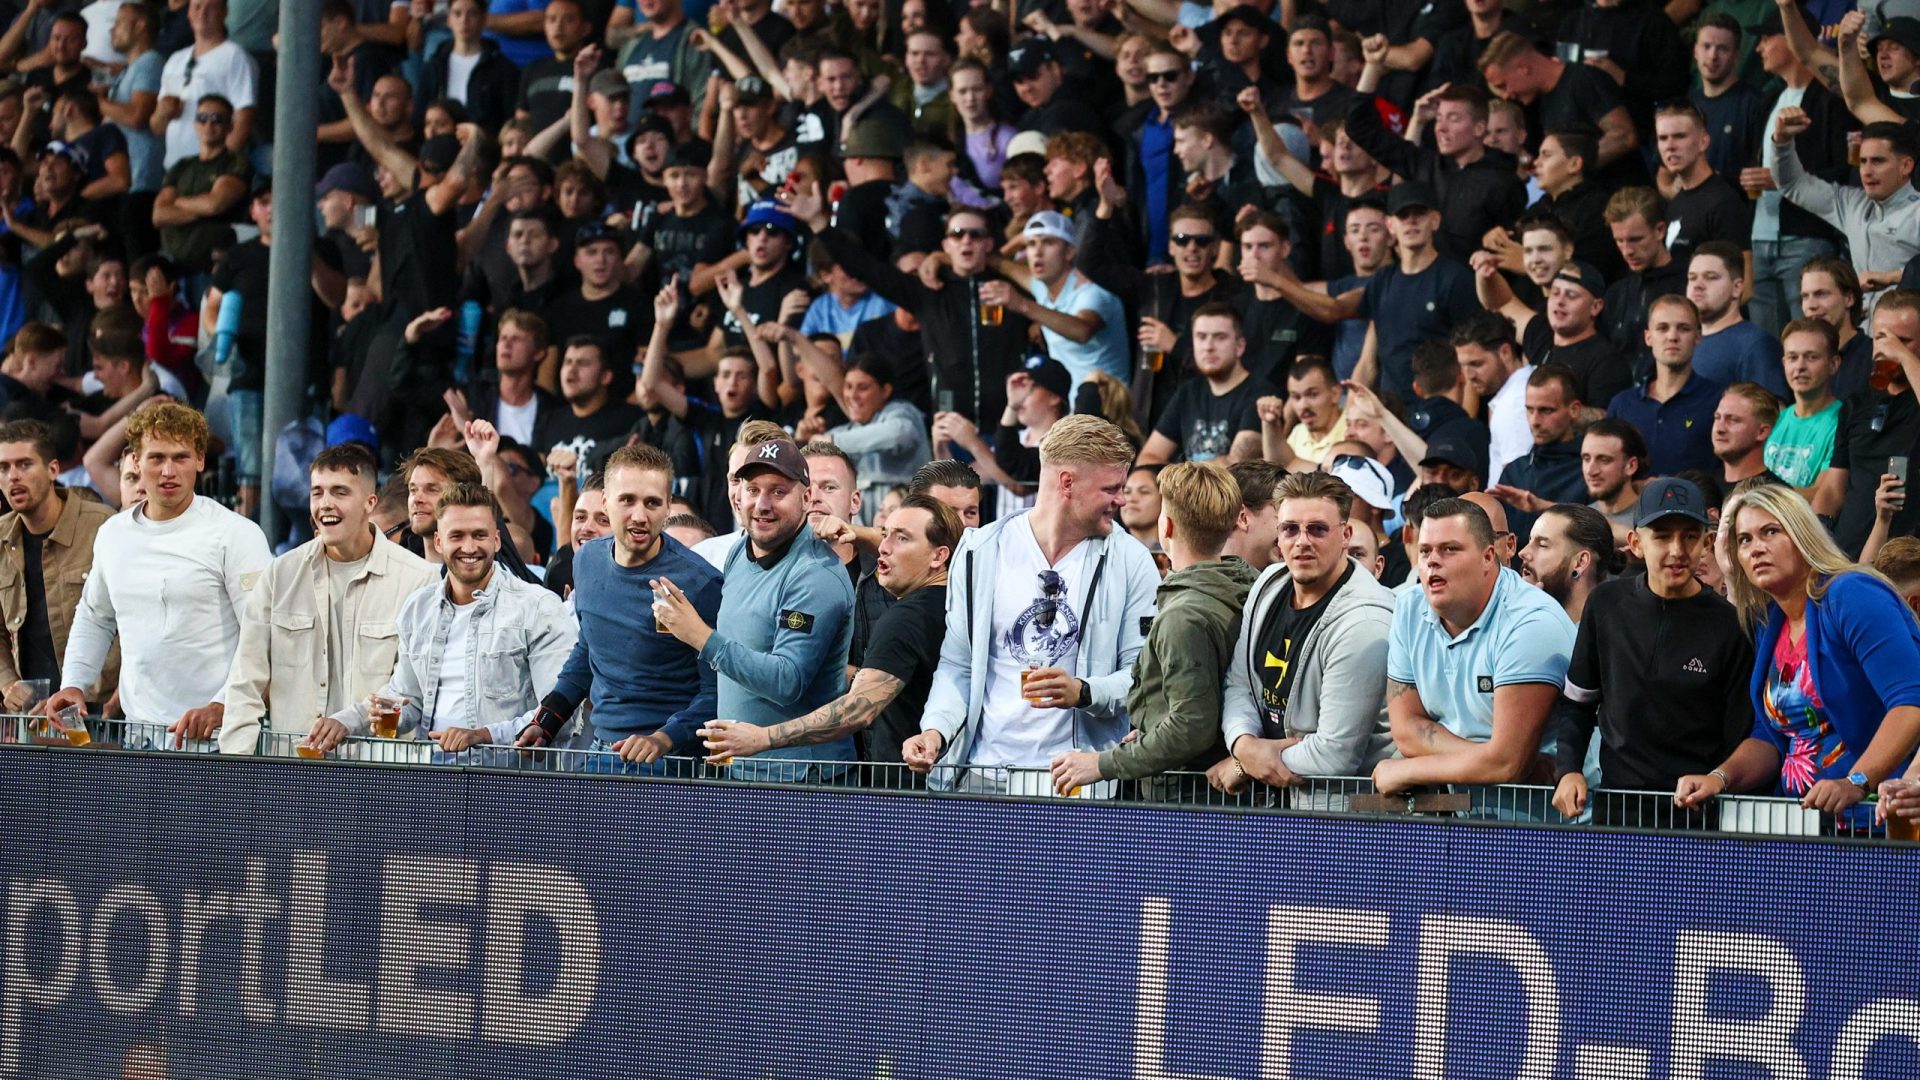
[1776, 279]
[248, 409]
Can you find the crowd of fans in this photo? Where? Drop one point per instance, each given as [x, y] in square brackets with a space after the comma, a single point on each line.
[1456, 393]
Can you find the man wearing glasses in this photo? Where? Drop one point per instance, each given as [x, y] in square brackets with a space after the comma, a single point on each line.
[200, 192]
[1305, 690]
[213, 67]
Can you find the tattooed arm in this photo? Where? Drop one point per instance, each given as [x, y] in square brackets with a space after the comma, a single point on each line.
[1414, 732]
[872, 691]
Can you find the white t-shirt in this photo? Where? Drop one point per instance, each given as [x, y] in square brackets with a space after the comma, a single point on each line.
[1507, 428]
[517, 420]
[715, 549]
[1036, 620]
[450, 706]
[225, 69]
[170, 383]
[459, 70]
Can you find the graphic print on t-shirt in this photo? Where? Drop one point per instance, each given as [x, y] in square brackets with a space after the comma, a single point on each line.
[1208, 438]
[1048, 628]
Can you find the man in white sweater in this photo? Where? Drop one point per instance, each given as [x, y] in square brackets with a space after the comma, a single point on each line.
[170, 580]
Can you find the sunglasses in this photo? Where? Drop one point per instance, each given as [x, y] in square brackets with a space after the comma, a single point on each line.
[1172, 76]
[1318, 530]
[213, 118]
[1181, 239]
[958, 233]
[766, 228]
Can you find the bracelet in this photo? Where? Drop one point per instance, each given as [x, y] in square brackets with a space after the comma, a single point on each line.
[1725, 784]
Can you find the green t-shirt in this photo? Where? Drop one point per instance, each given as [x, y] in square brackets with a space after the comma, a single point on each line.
[1800, 448]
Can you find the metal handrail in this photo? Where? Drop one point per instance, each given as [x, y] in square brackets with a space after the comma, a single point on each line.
[1343, 796]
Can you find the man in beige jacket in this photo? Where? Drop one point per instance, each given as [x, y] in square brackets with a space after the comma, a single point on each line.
[319, 632]
[46, 550]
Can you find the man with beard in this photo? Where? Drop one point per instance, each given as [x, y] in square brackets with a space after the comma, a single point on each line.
[594, 421]
[787, 609]
[1215, 415]
[1304, 692]
[1741, 424]
[1667, 705]
[478, 650]
[649, 691]
[1570, 552]
[1039, 651]
[1673, 406]
[882, 706]
[1550, 472]
[1732, 349]
[1636, 219]
[169, 582]
[46, 542]
[1612, 457]
[318, 631]
[432, 472]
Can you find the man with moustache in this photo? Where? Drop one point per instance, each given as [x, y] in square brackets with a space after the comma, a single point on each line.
[46, 540]
[882, 707]
[1039, 650]
[787, 613]
[649, 691]
[1670, 703]
[447, 628]
[318, 631]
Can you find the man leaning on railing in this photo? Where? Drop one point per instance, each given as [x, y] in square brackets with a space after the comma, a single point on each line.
[170, 580]
[318, 633]
[1305, 692]
[477, 650]
[1474, 666]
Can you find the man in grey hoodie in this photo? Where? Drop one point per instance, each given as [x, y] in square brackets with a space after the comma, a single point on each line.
[1306, 693]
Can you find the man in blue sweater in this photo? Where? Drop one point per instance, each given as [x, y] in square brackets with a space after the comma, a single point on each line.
[650, 692]
[788, 613]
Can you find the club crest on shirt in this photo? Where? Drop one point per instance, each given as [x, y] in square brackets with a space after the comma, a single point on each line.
[798, 621]
[1484, 684]
[1048, 628]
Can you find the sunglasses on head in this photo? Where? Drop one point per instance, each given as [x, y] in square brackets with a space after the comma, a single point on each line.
[959, 232]
[1181, 239]
[1170, 76]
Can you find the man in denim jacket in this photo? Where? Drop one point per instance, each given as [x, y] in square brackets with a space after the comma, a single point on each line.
[477, 650]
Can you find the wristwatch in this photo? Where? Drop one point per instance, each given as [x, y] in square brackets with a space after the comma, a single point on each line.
[1086, 695]
[1859, 779]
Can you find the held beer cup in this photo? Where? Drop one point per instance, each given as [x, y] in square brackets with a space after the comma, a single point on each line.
[1902, 828]
[383, 716]
[1026, 673]
[72, 722]
[992, 314]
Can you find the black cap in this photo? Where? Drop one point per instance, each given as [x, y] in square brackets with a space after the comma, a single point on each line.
[1669, 497]
[1052, 376]
[1024, 59]
[666, 95]
[871, 138]
[1904, 29]
[1450, 449]
[752, 90]
[592, 233]
[1771, 24]
[1248, 14]
[1585, 275]
[781, 455]
[693, 154]
[1412, 194]
[437, 154]
[659, 125]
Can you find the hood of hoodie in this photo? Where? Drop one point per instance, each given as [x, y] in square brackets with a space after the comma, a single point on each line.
[1223, 582]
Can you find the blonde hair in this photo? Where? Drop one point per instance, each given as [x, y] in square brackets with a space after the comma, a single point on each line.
[1203, 500]
[1824, 559]
[1116, 404]
[169, 420]
[755, 432]
[1899, 559]
[1504, 49]
[1085, 440]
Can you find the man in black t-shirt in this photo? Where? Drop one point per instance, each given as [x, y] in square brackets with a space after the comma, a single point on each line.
[1213, 416]
[1704, 206]
[1569, 334]
[692, 236]
[600, 305]
[883, 704]
[1566, 97]
[594, 424]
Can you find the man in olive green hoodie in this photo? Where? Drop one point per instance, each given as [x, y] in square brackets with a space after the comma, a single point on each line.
[1174, 706]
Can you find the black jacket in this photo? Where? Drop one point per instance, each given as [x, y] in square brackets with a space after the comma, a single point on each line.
[1552, 472]
[1473, 198]
[493, 90]
[970, 361]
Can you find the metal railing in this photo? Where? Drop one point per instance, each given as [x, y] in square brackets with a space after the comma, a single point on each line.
[1352, 796]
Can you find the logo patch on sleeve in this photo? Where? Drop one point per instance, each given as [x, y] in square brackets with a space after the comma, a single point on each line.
[796, 620]
[1485, 684]
[1146, 625]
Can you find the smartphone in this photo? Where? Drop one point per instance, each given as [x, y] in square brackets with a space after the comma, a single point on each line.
[1898, 467]
[364, 216]
[945, 404]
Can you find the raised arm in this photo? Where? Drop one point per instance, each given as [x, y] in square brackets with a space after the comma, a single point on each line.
[382, 149]
[653, 377]
[1272, 147]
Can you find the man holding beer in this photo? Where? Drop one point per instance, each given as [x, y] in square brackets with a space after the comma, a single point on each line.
[318, 631]
[649, 691]
[477, 650]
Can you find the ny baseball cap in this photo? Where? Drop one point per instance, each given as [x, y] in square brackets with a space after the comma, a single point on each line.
[1052, 376]
[1025, 59]
[1669, 497]
[781, 455]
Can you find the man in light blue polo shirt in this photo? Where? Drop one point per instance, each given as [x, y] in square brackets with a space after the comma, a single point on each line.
[1084, 324]
[1475, 663]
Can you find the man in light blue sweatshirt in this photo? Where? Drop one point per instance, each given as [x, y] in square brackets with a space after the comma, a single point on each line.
[650, 692]
[787, 607]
